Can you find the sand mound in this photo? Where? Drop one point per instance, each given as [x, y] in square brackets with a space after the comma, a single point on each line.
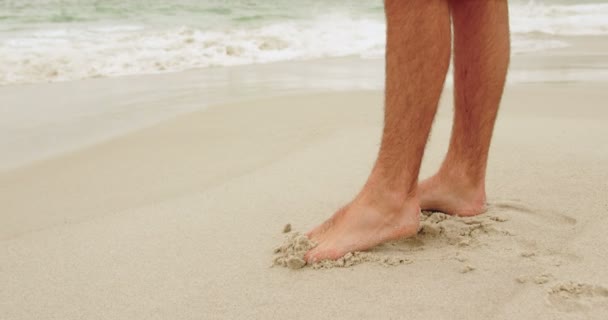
[358, 257]
[460, 231]
[442, 229]
[573, 296]
[291, 255]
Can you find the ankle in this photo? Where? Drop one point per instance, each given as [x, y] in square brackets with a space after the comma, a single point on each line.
[462, 177]
[385, 201]
[386, 197]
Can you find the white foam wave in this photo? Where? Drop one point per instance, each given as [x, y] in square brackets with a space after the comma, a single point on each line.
[574, 19]
[84, 51]
[64, 54]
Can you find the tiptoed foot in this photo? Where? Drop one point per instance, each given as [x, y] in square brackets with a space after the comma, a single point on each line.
[361, 225]
[452, 195]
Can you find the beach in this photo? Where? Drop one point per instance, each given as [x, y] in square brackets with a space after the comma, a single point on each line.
[179, 220]
[165, 195]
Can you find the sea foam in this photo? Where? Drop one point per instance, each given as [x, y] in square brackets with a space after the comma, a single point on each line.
[70, 51]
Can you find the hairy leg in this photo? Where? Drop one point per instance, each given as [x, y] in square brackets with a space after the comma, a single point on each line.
[481, 59]
[417, 58]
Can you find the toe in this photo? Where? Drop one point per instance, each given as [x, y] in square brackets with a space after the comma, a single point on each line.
[323, 253]
[309, 257]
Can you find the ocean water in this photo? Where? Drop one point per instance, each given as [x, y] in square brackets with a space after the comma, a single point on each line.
[59, 40]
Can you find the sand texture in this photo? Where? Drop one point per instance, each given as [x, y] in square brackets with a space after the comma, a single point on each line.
[180, 220]
[291, 255]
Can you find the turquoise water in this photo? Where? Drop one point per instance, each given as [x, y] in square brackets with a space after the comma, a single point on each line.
[205, 14]
[58, 40]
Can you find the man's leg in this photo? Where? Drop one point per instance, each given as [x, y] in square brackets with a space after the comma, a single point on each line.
[417, 58]
[481, 59]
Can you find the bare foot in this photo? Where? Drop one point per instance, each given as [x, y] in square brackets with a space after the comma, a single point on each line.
[452, 196]
[362, 225]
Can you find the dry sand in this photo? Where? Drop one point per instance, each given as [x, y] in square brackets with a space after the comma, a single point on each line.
[179, 220]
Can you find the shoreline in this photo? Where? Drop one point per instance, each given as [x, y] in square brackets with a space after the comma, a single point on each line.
[45, 120]
[41, 121]
[579, 46]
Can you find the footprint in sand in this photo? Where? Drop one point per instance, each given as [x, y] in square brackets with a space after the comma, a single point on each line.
[578, 297]
[521, 207]
[459, 231]
[557, 228]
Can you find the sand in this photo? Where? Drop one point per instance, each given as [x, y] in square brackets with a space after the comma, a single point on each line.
[440, 229]
[180, 220]
[291, 255]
